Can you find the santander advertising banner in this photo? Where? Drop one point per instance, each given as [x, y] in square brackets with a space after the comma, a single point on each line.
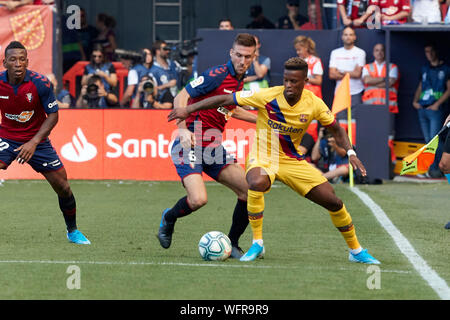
[123, 144]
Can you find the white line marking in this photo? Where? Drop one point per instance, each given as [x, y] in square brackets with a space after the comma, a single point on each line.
[428, 274]
[153, 263]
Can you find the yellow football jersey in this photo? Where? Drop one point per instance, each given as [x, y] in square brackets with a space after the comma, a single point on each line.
[280, 126]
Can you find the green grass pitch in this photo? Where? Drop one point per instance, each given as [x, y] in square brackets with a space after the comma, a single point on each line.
[306, 257]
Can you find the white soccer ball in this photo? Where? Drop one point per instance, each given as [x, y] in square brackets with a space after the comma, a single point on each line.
[214, 246]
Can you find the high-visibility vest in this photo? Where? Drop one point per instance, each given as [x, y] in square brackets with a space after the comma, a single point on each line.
[316, 89]
[375, 95]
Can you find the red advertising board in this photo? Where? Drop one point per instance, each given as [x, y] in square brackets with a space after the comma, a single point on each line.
[125, 144]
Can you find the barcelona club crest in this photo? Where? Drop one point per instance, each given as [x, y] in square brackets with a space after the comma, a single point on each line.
[29, 96]
[303, 118]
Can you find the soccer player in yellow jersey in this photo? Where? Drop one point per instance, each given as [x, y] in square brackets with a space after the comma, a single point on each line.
[284, 113]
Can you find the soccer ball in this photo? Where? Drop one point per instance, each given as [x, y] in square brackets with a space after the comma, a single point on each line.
[214, 246]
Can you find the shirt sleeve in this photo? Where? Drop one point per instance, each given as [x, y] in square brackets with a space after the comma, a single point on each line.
[318, 69]
[322, 112]
[365, 73]
[46, 95]
[132, 78]
[393, 72]
[207, 82]
[332, 63]
[361, 58]
[250, 98]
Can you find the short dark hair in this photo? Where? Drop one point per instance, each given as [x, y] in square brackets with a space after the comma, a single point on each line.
[156, 46]
[93, 79]
[245, 39]
[296, 63]
[14, 45]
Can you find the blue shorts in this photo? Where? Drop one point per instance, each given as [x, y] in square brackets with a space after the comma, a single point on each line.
[44, 158]
[211, 160]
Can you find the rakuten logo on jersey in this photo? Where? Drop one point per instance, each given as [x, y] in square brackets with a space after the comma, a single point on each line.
[79, 150]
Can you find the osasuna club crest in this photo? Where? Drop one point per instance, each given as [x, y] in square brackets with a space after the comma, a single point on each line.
[29, 96]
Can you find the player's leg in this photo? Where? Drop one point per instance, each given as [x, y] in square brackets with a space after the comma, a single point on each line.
[233, 176]
[444, 164]
[324, 195]
[45, 160]
[67, 204]
[259, 182]
[195, 199]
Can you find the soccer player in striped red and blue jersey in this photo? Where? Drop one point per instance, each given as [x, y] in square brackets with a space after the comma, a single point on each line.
[198, 147]
[29, 113]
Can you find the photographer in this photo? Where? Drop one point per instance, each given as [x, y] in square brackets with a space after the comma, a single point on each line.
[331, 159]
[98, 66]
[140, 66]
[146, 95]
[95, 96]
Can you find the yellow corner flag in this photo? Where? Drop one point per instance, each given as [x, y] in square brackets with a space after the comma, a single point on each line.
[422, 159]
[342, 99]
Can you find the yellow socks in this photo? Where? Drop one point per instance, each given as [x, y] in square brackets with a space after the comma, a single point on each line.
[343, 222]
[255, 207]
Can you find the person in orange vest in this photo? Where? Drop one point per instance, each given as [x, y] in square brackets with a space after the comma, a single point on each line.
[306, 49]
[374, 79]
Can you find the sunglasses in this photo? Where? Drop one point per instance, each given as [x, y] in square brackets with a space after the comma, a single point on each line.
[97, 56]
[166, 49]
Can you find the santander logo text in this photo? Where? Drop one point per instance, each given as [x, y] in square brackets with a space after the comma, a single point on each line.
[79, 150]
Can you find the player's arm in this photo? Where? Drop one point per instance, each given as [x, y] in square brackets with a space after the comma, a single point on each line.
[209, 103]
[27, 149]
[187, 138]
[244, 115]
[342, 140]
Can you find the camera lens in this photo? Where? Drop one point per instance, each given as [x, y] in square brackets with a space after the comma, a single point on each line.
[148, 86]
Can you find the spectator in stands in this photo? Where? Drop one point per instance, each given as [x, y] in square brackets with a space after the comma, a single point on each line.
[164, 70]
[426, 11]
[86, 34]
[63, 97]
[431, 94]
[392, 12]
[94, 95]
[354, 13]
[331, 159]
[306, 49]
[293, 19]
[106, 36]
[313, 21]
[98, 66]
[147, 92]
[258, 75]
[259, 20]
[348, 59]
[135, 75]
[225, 24]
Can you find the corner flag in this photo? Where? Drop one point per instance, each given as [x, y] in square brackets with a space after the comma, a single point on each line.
[342, 99]
[422, 159]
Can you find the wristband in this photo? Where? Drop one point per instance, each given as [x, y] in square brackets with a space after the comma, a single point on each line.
[351, 152]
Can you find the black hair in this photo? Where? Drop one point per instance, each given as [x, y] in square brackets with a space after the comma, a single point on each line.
[296, 63]
[14, 45]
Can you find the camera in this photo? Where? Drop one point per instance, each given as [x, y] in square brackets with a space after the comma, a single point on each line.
[92, 92]
[135, 57]
[148, 86]
[362, 8]
[184, 51]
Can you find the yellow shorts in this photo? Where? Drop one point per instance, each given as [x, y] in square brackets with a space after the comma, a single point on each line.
[300, 176]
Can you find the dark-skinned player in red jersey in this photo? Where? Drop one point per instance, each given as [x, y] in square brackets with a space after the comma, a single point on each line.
[29, 113]
[198, 147]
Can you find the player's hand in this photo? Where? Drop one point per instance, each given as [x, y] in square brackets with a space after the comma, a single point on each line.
[26, 151]
[187, 138]
[357, 164]
[178, 113]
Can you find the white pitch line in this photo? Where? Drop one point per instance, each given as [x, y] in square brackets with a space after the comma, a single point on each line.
[426, 272]
[154, 263]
